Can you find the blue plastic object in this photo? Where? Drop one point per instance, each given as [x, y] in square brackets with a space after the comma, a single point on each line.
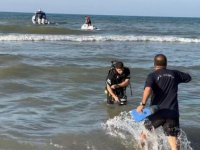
[139, 116]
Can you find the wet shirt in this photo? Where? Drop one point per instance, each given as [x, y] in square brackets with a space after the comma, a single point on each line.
[164, 84]
[114, 78]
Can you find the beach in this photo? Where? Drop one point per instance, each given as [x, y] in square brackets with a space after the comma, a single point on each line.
[52, 80]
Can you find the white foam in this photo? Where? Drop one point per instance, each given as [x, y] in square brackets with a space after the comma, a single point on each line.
[96, 38]
[125, 128]
[56, 145]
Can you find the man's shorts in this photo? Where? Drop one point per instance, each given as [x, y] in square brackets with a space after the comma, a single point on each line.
[170, 125]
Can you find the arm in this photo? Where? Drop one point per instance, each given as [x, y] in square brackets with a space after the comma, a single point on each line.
[126, 79]
[112, 93]
[146, 94]
[125, 83]
[184, 77]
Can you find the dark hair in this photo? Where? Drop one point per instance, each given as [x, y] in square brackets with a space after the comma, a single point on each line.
[160, 60]
[119, 65]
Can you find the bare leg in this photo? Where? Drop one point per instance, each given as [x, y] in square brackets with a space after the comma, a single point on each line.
[173, 142]
[143, 138]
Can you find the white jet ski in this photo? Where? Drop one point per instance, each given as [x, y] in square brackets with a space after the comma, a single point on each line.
[86, 27]
[39, 21]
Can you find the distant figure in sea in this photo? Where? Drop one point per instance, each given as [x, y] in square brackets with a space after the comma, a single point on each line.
[88, 20]
[40, 14]
[162, 85]
[117, 80]
[40, 17]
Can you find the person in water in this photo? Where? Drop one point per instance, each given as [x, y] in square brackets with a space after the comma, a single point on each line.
[162, 85]
[117, 80]
[39, 15]
[88, 21]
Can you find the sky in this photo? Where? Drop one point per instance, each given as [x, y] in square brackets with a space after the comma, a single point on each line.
[166, 8]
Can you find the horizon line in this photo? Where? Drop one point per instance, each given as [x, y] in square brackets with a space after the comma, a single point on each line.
[102, 14]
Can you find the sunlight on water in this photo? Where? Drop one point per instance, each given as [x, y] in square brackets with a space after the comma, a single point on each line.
[128, 131]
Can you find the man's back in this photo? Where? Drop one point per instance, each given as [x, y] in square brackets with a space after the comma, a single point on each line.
[164, 84]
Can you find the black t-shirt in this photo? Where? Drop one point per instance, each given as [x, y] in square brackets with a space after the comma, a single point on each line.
[114, 78]
[164, 84]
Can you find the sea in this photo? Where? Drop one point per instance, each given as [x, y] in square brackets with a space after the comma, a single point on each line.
[52, 80]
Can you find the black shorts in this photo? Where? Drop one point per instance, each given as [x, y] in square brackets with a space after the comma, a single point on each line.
[170, 125]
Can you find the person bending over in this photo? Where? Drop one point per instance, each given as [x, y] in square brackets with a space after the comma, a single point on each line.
[117, 80]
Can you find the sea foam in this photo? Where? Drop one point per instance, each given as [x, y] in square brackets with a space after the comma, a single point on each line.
[124, 128]
[96, 38]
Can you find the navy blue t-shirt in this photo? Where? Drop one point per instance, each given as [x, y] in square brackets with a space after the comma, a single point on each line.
[164, 84]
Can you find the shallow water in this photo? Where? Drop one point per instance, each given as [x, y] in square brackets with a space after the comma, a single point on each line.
[52, 85]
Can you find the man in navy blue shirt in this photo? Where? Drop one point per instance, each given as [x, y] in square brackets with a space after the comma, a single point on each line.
[162, 85]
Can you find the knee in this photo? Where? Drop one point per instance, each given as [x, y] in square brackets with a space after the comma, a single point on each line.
[171, 131]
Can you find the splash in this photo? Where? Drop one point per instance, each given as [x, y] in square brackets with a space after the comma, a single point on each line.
[128, 131]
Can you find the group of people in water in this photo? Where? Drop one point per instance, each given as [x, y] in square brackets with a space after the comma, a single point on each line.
[162, 86]
[40, 18]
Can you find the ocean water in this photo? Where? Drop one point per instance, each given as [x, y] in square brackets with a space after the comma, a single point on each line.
[52, 80]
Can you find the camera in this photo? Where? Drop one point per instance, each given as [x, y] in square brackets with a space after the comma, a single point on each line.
[123, 100]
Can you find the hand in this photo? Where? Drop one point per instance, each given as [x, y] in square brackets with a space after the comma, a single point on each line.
[140, 108]
[114, 86]
[116, 98]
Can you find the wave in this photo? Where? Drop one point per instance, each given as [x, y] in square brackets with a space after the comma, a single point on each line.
[96, 38]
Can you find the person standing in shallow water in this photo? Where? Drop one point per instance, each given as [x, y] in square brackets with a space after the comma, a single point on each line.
[162, 85]
[117, 80]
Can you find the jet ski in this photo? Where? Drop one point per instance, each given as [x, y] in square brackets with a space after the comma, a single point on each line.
[88, 27]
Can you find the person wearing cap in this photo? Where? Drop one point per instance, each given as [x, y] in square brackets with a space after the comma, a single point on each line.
[162, 86]
[117, 80]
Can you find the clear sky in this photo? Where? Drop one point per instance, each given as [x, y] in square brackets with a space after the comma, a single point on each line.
[171, 8]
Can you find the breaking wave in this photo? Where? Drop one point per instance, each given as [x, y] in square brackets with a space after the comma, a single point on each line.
[96, 38]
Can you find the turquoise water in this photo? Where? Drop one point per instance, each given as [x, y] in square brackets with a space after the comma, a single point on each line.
[52, 80]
